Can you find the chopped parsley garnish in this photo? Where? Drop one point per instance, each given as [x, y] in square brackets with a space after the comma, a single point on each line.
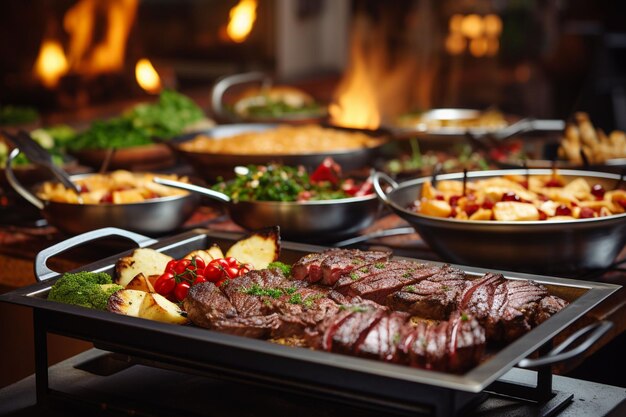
[286, 269]
[290, 290]
[406, 275]
[256, 289]
[354, 276]
[464, 317]
[445, 288]
[295, 299]
[410, 288]
[379, 265]
[357, 261]
[396, 338]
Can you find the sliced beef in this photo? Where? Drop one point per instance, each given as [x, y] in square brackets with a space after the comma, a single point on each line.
[334, 266]
[242, 291]
[508, 308]
[309, 267]
[327, 267]
[369, 272]
[434, 297]
[382, 339]
[256, 327]
[395, 276]
[455, 345]
[205, 304]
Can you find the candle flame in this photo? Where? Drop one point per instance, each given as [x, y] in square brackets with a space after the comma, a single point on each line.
[242, 18]
[51, 63]
[147, 77]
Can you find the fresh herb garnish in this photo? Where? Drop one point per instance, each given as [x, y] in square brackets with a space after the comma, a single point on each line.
[464, 317]
[354, 276]
[354, 309]
[256, 289]
[379, 265]
[410, 288]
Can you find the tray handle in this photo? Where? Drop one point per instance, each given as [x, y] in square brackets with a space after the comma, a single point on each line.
[43, 273]
[379, 189]
[589, 334]
[225, 83]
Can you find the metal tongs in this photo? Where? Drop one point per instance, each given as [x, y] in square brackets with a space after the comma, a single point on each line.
[525, 125]
[38, 155]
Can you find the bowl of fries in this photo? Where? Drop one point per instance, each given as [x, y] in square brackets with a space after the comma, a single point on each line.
[128, 200]
[530, 220]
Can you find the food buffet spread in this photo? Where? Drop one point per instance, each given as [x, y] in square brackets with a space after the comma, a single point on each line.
[507, 251]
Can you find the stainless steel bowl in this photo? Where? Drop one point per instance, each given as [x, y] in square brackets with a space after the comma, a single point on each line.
[532, 246]
[308, 221]
[210, 166]
[152, 217]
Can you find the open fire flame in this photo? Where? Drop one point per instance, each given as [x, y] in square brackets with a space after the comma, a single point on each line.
[88, 52]
[373, 88]
[242, 18]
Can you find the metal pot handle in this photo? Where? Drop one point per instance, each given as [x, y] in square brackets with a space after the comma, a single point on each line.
[592, 332]
[224, 83]
[30, 197]
[42, 272]
[377, 187]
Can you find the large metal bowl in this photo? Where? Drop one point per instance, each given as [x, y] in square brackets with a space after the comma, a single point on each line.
[152, 217]
[531, 246]
[303, 221]
[210, 166]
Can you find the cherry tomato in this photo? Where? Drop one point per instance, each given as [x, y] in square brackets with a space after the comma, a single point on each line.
[587, 213]
[170, 265]
[200, 265]
[213, 272]
[243, 271]
[232, 272]
[199, 279]
[165, 283]
[181, 266]
[181, 290]
[598, 191]
[232, 261]
[563, 210]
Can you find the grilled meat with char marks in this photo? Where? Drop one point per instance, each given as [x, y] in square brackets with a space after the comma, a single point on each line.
[328, 266]
[508, 308]
[434, 297]
[454, 345]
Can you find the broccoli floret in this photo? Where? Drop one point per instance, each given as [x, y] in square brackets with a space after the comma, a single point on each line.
[286, 269]
[87, 289]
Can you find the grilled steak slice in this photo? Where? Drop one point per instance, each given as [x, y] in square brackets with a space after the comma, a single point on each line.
[434, 297]
[508, 308]
[378, 286]
[255, 326]
[369, 272]
[326, 267]
[382, 339]
[455, 345]
[346, 334]
[251, 294]
[309, 267]
[206, 304]
[334, 266]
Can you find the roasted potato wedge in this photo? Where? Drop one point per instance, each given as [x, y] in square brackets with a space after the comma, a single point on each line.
[215, 251]
[140, 283]
[151, 306]
[127, 302]
[143, 260]
[258, 249]
[158, 308]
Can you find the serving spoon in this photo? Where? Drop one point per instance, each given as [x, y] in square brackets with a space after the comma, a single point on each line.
[38, 155]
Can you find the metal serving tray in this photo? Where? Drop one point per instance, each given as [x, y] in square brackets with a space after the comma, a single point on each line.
[317, 373]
